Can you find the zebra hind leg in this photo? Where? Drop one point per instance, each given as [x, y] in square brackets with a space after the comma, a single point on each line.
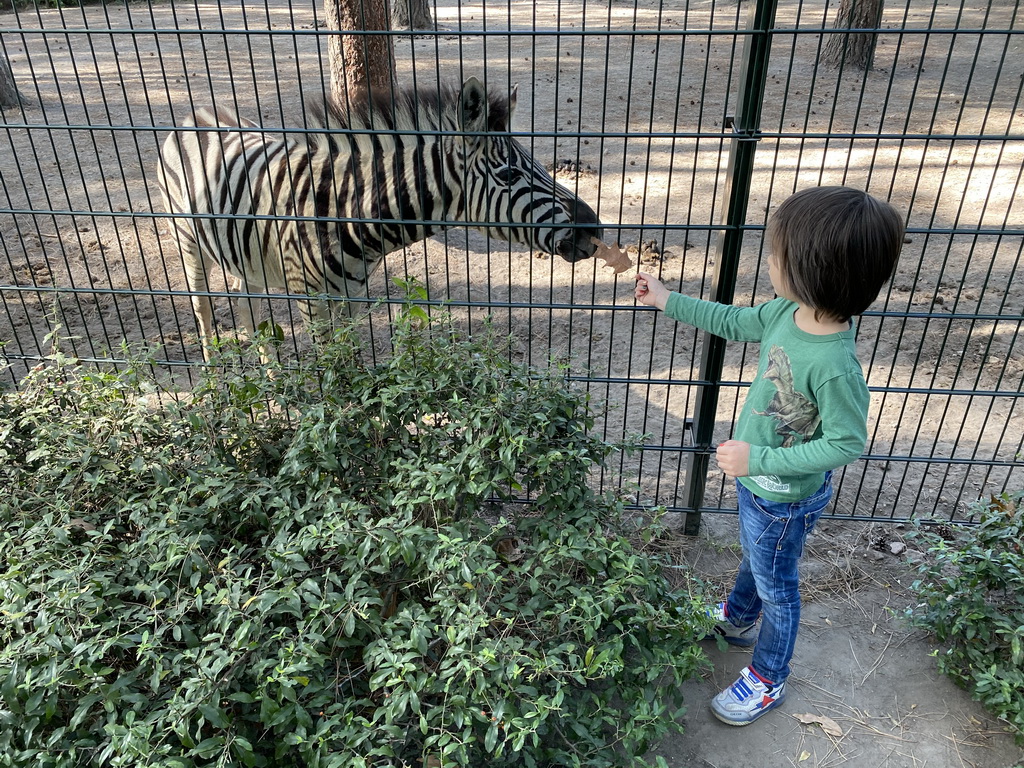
[197, 282]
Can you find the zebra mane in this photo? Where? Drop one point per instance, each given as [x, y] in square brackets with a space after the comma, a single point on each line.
[425, 108]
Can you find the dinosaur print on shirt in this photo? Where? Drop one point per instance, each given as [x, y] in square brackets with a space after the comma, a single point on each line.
[796, 417]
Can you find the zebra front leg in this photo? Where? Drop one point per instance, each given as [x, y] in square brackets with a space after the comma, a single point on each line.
[246, 315]
[317, 316]
[345, 308]
[341, 310]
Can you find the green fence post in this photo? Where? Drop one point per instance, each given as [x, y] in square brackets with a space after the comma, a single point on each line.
[746, 128]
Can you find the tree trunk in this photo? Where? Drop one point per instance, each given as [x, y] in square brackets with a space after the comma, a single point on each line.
[411, 14]
[9, 96]
[359, 63]
[854, 49]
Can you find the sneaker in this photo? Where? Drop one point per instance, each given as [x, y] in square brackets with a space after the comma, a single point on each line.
[747, 699]
[744, 636]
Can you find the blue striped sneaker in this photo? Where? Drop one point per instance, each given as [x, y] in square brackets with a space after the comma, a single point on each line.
[747, 699]
[743, 636]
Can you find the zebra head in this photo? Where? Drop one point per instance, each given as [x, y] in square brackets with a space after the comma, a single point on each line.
[505, 185]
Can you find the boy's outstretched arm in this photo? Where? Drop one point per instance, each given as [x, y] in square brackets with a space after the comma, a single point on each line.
[725, 320]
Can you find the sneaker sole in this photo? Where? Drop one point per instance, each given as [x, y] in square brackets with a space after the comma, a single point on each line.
[741, 723]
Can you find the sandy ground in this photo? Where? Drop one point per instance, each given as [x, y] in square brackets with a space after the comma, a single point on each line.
[634, 123]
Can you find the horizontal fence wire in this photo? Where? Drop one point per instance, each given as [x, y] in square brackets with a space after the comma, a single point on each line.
[629, 105]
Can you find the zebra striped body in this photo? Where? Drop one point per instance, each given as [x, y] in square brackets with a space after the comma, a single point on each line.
[233, 182]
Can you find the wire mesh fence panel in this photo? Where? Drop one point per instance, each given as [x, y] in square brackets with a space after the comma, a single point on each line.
[630, 107]
[935, 127]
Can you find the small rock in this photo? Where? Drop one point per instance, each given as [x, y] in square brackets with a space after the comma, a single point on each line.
[897, 547]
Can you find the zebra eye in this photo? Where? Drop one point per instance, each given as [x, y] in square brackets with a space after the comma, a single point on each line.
[507, 174]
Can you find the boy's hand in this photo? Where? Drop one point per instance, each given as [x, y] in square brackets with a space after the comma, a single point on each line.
[733, 458]
[650, 291]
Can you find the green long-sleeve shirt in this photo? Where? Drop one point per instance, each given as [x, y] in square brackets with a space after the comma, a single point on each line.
[806, 410]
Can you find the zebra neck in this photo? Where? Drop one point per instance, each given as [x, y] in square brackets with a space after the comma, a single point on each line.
[431, 184]
[394, 190]
[414, 190]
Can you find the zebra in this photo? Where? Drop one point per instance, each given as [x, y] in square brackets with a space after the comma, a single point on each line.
[412, 163]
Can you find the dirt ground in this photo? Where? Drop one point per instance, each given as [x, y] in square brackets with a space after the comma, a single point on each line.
[636, 124]
[858, 663]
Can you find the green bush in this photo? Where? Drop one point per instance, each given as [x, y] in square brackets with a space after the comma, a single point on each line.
[324, 567]
[972, 599]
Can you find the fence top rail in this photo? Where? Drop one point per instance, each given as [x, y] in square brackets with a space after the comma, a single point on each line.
[724, 135]
[552, 32]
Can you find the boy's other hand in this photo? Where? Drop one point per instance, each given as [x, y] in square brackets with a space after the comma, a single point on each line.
[650, 291]
[734, 458]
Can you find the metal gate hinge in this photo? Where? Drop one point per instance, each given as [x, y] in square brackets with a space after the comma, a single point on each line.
[730, 125]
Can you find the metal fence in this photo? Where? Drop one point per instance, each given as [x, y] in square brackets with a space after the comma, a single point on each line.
[683, 124]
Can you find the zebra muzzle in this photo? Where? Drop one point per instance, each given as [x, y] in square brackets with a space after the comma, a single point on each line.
[578, 244]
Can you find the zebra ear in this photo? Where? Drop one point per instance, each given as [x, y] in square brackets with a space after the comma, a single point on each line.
[512, 102]
[473, 106]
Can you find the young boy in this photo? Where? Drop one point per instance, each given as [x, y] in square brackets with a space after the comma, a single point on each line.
[832, 249]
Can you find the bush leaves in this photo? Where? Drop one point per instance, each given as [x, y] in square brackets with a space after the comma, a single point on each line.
[277, 571]
[971, 592]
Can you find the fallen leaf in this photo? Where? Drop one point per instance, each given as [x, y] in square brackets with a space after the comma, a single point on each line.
[803, 756]
[828, 725]
[613, 256]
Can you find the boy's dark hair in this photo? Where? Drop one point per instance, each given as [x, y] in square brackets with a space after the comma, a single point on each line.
[836, 247]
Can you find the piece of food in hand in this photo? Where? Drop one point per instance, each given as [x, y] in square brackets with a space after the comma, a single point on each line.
[613, 256]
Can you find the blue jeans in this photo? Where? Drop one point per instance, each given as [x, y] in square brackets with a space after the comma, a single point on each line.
[772, 535]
